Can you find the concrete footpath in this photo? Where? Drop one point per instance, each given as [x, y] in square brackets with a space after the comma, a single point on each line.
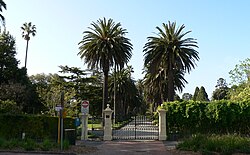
[132, 147]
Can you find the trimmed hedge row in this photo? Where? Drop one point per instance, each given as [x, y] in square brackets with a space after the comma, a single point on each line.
[221, 117]
[35, 127]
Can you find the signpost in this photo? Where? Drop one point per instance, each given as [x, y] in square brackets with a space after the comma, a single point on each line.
[84, 116]
[59, 109]
[85, 107]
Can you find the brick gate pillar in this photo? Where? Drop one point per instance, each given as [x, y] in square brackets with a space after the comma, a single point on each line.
[108, 124]
[162, 124]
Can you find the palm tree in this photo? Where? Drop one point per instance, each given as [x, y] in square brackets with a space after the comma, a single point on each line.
[28, 29]
[105, 46]
[170, 51]
[155, 86]
[2, 4]
[127, 94]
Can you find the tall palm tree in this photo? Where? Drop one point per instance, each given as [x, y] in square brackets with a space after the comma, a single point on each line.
[2, 4]
[105, 46]
[172, 52]
[28, 29]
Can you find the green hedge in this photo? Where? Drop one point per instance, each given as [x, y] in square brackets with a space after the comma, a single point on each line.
[35, 127]
[208, 117]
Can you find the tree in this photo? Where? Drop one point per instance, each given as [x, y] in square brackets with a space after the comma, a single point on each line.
[170, 51]
[2, 5]
[156, 86]
[240, 93]
[196, 93]
[49, 88]
[28, 29]
[9, 70]
[14, 83]
[202, 95]
[241, 73]
[240, 77]
[141, 90]
[127, 94]
[87, 85]
[187, 96]
[105, 46]
[221, 90]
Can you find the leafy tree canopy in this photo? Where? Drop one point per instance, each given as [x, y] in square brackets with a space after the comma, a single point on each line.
[241, 73]
[14, 83]
[221, 91]
[240, 77]
[187, 96]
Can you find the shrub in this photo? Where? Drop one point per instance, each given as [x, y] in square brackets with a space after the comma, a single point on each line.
[2, 141]
[225, 144]
[66, 144]
[12, 143]
[34, 127]
[29, 144]
[9, 106]
[47, 145]
[221, 117]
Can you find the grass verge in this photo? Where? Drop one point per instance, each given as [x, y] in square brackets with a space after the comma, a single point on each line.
[222, 144]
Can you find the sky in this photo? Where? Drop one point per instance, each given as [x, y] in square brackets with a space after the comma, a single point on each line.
[222, 30]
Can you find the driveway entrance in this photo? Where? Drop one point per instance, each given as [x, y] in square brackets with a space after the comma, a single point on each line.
[140, 128]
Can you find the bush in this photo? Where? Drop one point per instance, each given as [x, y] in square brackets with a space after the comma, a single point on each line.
[2, 141]
[9, 106]
[47, 145]
[34, 127]
[12, 143]
[225, 144]
[220, 117]
[66, 144]
[29, 144]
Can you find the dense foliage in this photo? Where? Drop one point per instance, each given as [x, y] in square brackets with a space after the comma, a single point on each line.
[240, 77]
[221, 91]
[213, 144]
[223, 116]
[123, 90]
[14, 83]
[35, 127]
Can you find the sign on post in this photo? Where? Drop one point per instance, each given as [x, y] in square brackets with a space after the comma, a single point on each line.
[58, 108]
[85, 107]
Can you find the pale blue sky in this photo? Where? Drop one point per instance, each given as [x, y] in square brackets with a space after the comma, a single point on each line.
[221, 27]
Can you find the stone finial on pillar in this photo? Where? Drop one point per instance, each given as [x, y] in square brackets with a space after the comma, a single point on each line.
[162, 124]
[108, 124]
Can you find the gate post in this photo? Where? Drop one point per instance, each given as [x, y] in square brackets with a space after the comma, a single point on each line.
[162, 124]
[108, 125]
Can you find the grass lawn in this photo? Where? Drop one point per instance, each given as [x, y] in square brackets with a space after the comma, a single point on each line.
[95, 126]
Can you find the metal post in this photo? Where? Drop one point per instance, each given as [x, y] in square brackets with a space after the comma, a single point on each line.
[135, 126]
[114, 94]
[61, 116]
[61, 129]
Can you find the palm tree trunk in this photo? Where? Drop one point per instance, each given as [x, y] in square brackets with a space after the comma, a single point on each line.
[170, 84]
[27, 45]
[114, 94]
[105, 88]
